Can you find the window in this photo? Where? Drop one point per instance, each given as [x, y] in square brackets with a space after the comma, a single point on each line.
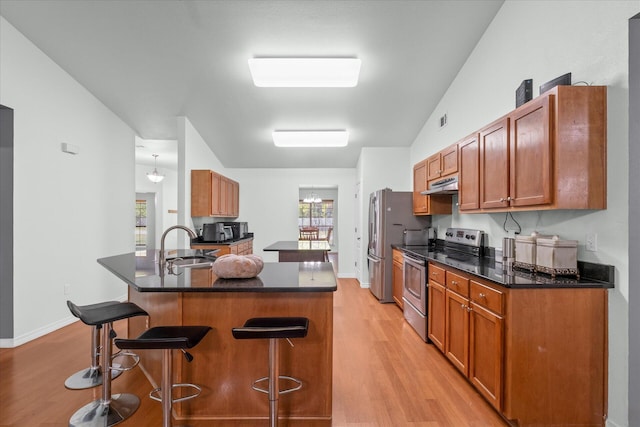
[141, 223]
[319, 215]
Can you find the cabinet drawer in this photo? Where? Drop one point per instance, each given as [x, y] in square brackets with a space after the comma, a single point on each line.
[397, 256]
[487, 297]
[458, 284]
[436, 274]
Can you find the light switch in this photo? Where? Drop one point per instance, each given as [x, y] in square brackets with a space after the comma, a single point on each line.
[69, 148]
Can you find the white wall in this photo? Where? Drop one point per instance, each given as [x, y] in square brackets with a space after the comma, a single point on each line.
[269, 203]
[541, 40]
[634, 212]
[193, 153]
[69, 210]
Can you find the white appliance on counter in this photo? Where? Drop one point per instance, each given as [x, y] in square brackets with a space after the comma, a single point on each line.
[390, 213]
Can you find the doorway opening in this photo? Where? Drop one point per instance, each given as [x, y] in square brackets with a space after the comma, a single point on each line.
[318, 214]
[145, 231]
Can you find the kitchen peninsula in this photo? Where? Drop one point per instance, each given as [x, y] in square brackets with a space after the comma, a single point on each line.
[300, 250]
[223, 366]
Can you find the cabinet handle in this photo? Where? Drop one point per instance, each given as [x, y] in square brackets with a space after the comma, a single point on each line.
[509, 199]
[481, 295]
[469, 309]
[463, 306]
[502, 199]
[453, 282]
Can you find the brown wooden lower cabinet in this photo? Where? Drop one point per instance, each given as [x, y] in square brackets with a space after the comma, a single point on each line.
[538, 356]
[243, 247]
[397, 277]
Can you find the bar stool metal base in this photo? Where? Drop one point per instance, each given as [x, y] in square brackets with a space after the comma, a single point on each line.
[274, 329]
[98, 413]
[280, 377]
[88, 378]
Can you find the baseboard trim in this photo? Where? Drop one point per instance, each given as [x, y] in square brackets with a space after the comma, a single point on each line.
[37, 333]
[23, 339]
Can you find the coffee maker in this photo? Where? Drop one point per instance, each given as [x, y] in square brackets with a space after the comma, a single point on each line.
[240, 229]
[213, 232]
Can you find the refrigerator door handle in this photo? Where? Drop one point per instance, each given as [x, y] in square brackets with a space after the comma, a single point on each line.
[375, 260]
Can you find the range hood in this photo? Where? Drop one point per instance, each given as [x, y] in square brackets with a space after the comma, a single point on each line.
[444, 186]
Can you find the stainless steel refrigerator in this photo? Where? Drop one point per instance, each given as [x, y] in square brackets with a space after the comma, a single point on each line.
[390, 213]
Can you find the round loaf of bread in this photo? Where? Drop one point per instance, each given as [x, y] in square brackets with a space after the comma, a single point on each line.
[231, 266]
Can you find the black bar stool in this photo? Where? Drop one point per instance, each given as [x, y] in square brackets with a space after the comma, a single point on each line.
[274, 328]
[91, 376]
[109, 409]
[167, 338]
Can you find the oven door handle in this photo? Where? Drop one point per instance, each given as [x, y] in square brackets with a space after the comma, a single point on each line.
[418, 263]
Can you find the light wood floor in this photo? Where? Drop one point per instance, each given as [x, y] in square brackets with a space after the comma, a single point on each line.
[384, 375]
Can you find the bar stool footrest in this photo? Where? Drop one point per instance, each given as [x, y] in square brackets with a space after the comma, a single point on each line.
[121, 367]
[154, 394]
[282, 377]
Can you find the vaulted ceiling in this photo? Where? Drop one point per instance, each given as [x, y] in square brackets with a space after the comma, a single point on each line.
[151, 61]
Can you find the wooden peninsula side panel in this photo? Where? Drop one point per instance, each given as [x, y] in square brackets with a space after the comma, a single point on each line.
[226, 367]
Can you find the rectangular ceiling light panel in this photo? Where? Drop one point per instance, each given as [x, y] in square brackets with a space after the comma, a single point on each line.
[305, 72]
[324, 138]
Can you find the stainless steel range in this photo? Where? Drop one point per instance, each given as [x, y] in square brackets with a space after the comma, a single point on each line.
[465, 240]
[462, 249]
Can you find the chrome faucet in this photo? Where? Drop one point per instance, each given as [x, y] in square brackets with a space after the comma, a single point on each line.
[162, 259]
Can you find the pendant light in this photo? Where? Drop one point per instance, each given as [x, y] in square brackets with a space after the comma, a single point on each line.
[155, 176]
[312, 198]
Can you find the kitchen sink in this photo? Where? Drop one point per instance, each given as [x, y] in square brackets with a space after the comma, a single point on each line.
[196, 261]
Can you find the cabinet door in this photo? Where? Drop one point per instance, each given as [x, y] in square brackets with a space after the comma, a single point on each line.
[469, 185]
[420, 202]
[216, 201]
[530, 154]
[224, 196]
[449, 160]
[494, 165]
[486, 354]
[456, 342]
[201, 193]
[436, 313]
[434, 167]
[235, 202]
[396, 274]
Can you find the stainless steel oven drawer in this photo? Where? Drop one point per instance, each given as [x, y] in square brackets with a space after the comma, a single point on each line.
[417, 320]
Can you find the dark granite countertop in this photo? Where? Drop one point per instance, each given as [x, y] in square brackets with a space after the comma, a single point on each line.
[591, 275]
[299, 245]
[140, 270]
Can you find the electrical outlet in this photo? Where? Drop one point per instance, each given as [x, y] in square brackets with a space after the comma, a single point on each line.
[67, 288]
[591, 242]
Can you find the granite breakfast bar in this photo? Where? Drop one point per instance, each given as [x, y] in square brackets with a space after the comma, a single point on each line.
[223, 366]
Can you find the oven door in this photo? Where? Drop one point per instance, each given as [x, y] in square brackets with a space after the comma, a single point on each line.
[414, 295]
[414, 283]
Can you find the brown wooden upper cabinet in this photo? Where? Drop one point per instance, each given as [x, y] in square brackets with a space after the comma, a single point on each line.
[427, 205]
[443, 163]
[549, 153]
[469, 176]
[213, 194]
[420, 202]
